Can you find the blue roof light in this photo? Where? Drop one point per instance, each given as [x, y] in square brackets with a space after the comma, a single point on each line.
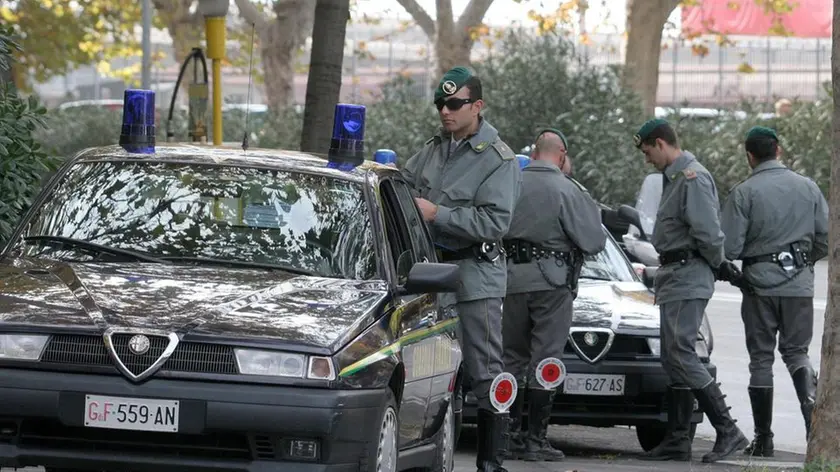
[385, 156]
[138, 123]
[523, 160]
[348, 139]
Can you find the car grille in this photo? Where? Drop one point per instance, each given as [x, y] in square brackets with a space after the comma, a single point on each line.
[89, 351]
[623, 347]
[51, 434]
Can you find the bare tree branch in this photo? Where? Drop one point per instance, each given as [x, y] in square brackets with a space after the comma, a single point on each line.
[251, 14]
[420, 16]
[473, 15]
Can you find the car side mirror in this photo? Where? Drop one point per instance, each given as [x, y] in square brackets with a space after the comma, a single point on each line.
[649, 276]
[632, 216]
[431, 277]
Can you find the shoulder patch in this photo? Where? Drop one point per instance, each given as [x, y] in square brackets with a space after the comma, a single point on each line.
[690, 174]
[504, 151]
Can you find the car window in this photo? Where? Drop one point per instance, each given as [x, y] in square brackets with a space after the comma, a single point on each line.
[609, 264]
[420, 240]
[306, 221]
[403, 252]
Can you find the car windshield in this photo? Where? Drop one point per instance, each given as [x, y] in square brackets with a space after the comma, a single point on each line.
[193, 213]
[608, 264]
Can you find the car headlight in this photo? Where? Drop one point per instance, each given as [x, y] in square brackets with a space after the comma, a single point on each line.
[25, 347]
[284, 364]
[655, 345]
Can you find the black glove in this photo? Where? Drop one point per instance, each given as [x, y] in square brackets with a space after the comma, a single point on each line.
[729, 272]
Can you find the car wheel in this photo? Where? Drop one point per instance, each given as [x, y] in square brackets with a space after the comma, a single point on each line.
[458, 413]
[387, 451]
[650, 435]
[445, 443]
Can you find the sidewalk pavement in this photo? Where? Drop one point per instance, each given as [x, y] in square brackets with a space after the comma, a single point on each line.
[617, 449]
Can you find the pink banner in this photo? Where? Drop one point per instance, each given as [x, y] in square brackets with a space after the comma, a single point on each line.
[809, 18]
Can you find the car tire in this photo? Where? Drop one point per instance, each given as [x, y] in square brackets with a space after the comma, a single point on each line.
[445, 441]
[383, 448]
[458, 412]
[650, 435]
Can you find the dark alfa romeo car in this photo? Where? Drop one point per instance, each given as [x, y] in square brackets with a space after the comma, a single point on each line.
[612, 353]
[208, 309]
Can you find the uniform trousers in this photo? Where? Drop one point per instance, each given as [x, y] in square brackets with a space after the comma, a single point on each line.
[679, 322]
[535, 326]
[792, 318]
[480, 334]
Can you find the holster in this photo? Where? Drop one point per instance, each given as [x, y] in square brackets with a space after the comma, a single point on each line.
[574, 267]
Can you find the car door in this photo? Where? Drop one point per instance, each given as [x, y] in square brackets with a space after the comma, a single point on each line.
[442, 340]
[411, 317]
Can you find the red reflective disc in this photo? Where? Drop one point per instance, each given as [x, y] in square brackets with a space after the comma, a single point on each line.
[551, 372]
[504, 391]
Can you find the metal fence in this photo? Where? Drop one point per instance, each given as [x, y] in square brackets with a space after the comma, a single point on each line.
[763, 69]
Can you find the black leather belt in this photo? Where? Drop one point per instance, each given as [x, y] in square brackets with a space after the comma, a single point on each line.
[485, 252]
[781, 257]
[520, 251]
[680, 255]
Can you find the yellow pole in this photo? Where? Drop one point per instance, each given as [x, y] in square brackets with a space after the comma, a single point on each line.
[215, 30]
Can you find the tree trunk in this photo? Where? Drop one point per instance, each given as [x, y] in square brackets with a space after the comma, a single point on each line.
[323, 87]
[645, 20]
[185, 29]
[452, 39]
[280, 39]
[825, 426]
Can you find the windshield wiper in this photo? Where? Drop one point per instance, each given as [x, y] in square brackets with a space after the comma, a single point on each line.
[97, 247]
[257, 265]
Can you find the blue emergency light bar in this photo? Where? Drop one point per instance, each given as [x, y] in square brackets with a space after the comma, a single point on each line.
[138, 122]
[385, 156]
[348, 139]
[523, 160]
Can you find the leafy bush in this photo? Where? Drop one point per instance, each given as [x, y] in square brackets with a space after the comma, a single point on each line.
[22, 161]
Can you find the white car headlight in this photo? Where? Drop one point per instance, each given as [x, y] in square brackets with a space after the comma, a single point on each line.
[273, 363]
[284, 364]
[25, 347]
[655, 346]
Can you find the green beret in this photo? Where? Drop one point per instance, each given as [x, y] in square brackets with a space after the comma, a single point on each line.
[762, 132]
[555, 131]
[646, 129]
[452, 81]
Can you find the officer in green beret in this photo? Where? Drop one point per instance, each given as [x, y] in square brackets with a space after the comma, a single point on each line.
[776, 223]
[555, 224]
[466, 181]
[689, 240]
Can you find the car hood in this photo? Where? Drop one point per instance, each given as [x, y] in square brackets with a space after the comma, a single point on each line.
[621, 306]
[234, 303]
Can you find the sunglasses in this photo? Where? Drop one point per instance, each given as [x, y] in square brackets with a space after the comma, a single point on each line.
[454, 104]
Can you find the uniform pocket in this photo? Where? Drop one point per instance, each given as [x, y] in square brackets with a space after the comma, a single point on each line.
[458, 194]
[554, 271]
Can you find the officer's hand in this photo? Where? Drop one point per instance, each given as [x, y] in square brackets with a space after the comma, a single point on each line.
[427, 209]
[729, 272]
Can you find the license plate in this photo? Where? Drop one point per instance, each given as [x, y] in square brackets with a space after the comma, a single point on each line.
[594, 384]
[138, 414]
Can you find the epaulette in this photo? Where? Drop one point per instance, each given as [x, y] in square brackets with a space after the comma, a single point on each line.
[505, 152]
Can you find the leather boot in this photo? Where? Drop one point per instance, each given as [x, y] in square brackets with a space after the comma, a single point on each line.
[761, 400]
[729, 436]
[537, 447]
[676, 445]
[492, 437]
[805, 383]
[516, 441]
